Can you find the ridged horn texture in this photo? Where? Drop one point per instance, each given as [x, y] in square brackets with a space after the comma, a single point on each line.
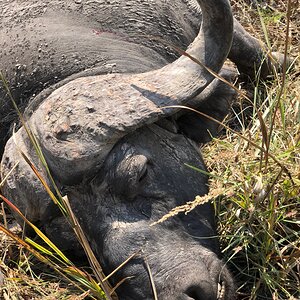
[79, 123]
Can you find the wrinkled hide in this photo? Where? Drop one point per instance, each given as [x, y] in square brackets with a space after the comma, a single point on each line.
[95, 90]
[142, 180]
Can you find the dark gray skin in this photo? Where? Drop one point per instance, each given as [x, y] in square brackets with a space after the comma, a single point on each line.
[111, 145]
[143, 180]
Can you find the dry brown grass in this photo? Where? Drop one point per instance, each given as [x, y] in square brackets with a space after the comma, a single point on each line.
[260, 219]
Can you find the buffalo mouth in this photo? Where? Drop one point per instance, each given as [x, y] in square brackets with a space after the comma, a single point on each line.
[221, 290]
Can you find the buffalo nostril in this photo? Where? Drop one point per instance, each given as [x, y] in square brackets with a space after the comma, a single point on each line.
[194, 292]
[204, 291]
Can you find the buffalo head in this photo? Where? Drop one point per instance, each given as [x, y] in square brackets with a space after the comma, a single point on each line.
[113, 150]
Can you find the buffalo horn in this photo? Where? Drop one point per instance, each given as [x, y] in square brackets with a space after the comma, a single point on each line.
[79, 123]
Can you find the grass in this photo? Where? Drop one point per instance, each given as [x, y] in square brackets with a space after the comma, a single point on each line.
[259, 212]
[255, 173]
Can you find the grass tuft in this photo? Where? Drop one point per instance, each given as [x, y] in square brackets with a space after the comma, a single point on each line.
[259, 222]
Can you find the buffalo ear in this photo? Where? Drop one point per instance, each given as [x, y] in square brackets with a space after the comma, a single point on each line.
[215, 102]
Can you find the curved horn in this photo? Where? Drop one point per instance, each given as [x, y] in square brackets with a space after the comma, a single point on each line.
[79, 123]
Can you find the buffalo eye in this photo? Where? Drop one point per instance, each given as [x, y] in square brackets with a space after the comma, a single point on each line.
[129, 175]
[144, 173]
[137, 169]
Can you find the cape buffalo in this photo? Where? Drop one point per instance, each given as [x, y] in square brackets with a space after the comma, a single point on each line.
[95, 87]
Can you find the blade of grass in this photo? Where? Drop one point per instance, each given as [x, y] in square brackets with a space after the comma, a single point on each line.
[38, 231]
[284, 68]
[265, 139]
[121, 265]
[38, 255]
[151, 279]
[8, 174]
[198, 62]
